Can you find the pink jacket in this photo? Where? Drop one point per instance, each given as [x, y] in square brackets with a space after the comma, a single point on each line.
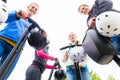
[41, 54]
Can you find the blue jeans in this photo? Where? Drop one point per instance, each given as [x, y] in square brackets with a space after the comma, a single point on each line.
[71, 74]
[5, 49]
[116, 42]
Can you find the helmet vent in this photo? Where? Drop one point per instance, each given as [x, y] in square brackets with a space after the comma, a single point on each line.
[107, 32]
[115, 29]
[74, 55]
[108, 26]
[4, 10]
[98, 19]
[106, 15]
[101, 29]
[82, 60]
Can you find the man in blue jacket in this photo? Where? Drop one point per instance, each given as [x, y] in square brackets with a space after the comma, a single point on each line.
[16, 25]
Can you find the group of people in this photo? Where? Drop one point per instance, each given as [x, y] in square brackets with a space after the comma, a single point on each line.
[98, 7]
[18, 22]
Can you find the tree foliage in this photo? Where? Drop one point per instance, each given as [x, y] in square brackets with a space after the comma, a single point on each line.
[94, 76]
[110, 77]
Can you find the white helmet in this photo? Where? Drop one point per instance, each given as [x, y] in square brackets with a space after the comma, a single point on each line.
[3, 12]
[108, 23]
[77, 54]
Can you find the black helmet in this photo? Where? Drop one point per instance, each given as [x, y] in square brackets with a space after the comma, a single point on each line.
[36, 40]
[60, 74]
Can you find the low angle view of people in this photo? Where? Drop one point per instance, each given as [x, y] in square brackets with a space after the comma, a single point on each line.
[59, 40]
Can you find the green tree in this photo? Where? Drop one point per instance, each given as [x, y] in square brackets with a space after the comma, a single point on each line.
[110, 77]
[94, 76]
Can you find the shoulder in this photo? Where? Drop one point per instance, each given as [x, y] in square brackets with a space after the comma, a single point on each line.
[103, 1]
[45, 50]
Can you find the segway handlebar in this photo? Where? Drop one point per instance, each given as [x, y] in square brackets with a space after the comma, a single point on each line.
[34, 24]
[5, 1]
[70, 46]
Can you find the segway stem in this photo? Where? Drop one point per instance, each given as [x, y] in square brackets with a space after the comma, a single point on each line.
[70, 46]
[76, 64]
[77, 70]
[55, 64]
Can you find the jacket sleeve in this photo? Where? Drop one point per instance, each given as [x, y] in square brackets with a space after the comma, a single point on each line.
[99, 7]
[103, 6]
[34, 24]
[41, 54]
[50, 66]
[11, 16]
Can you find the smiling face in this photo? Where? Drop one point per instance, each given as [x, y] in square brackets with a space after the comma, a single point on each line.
[32, 9]
[84, 9]
[72, 37]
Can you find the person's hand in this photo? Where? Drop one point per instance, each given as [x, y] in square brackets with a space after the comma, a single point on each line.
[81, 65]
[44, 34]
[91, 22]
[56, 59]
[22, 14]
[67, 53]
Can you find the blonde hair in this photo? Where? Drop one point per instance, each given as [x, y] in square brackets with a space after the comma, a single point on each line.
[34, 4]
[81, 6]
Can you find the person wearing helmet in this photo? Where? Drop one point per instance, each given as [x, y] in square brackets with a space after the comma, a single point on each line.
[99, 7]
[16, 24]
[70, 68]
[39, 42]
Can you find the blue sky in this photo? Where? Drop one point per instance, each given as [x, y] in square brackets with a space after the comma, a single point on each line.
[58, 18]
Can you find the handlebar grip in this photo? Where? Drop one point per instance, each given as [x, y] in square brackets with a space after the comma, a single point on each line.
[70, 46]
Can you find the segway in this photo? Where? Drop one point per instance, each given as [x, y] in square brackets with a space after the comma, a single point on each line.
[16, 51]
[55, 64]
[99, 48]
[5, 1]
[78, 55]
[97, 42]
[58, 74]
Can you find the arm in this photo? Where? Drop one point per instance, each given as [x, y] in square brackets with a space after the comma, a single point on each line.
[34, 24]
[11, 16]
[104, 5]
[41, 54]
[99, 7]
[65, 56]
[50, 66]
